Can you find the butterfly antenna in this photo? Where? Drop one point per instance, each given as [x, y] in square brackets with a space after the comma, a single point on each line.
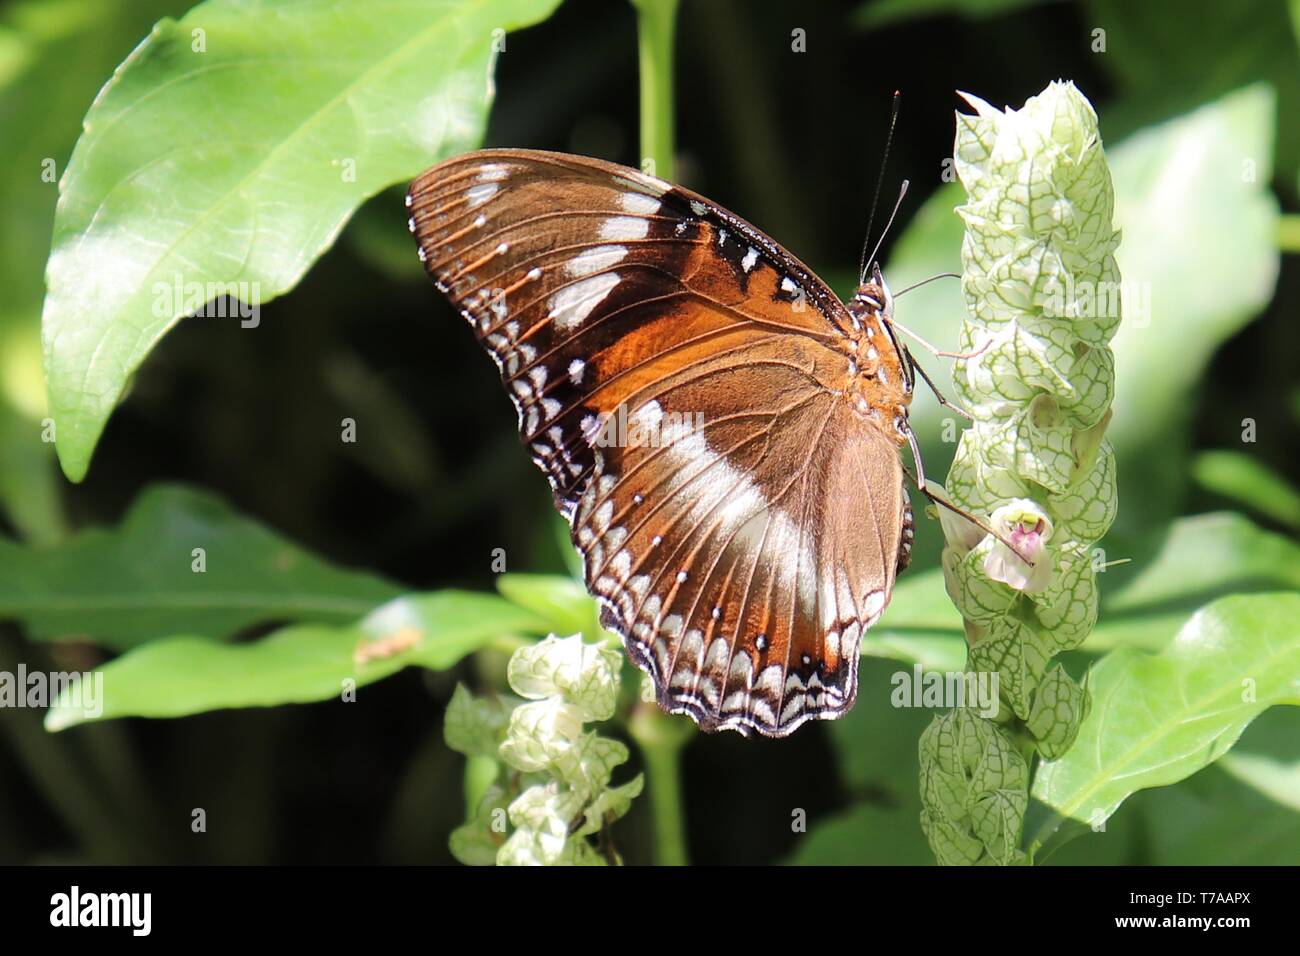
[917, 285]
[884, 232]
[875, 199]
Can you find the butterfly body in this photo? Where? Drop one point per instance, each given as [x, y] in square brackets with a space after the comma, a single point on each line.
[720, 431]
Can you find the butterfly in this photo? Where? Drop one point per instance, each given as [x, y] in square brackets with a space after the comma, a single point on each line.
[721, 432]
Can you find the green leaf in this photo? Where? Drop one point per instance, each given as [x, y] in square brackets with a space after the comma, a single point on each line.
[188, 675]
[1240, 811]
[920, 626]
[137, 582]
[58, 54]
[560, 601]
[865, 834]
[1159, 718]
[1174, 231]
[933, 650]
[1248, 481]
[231, 147]
[1198, 559]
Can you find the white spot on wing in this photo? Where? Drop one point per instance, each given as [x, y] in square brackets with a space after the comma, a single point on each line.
[573, 303]
[640, 203]
[624, 228]
[593, 260]
[481, 193]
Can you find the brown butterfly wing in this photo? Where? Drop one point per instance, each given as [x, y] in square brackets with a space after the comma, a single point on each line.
[678, 380]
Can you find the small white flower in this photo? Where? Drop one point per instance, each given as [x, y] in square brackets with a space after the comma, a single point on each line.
[1028, 529]
[540, 733]
[586, 674]
[568, 683]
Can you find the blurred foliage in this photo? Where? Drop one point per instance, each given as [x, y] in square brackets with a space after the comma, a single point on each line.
[195, 567]
[386, 549]
[182, 675]
[1251, 483]
[54, 56]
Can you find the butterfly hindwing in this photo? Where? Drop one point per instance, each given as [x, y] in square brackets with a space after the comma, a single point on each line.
[744, 594]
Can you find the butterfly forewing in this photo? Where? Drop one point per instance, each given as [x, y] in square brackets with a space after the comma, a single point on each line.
[679, 381]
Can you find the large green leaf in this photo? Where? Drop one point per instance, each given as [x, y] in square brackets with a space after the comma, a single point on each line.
[1156, 719]
[1193, 201]
[138, 581]
[920, 625]
[561, 601]
[187, 675]
[1243, 810]
[231, 147]
[1199, 559]
[1216, 817]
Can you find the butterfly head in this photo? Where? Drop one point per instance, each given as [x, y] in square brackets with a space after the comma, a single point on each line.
[875, 293]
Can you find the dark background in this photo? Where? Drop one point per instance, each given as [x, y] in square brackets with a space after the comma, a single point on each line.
[791, 142]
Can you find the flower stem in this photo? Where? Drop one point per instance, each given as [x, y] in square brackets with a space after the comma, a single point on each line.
[1288, 233]
[660, 739]
[656, 24]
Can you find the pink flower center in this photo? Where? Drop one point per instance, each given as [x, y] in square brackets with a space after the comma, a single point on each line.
[1027, 539]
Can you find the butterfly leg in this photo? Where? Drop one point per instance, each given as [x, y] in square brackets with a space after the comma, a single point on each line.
[909, 533]
[912, 364]
[924, 488]
[934, 350]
